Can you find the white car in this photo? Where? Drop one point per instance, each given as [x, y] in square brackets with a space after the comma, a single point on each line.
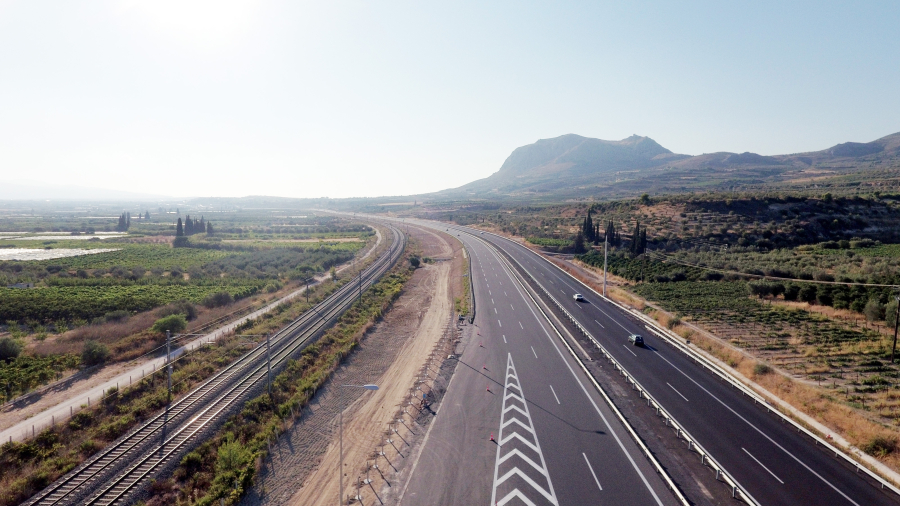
[578, 297]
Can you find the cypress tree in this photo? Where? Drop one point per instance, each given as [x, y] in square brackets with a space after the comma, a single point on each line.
[202, 227]
[127, 220]
[121, 225]
[636, 240]
[179, 231]
[209, 228]
[188, 225]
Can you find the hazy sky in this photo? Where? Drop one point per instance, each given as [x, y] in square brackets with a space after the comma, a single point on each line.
[367, 98]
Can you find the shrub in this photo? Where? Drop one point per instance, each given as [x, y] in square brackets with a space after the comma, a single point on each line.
[10, 348]
[117, 316]
[181, 307]
[791, 292]
[880, 446]
[874, 310]
[94, 353]
[218, 299]
[414, 261]
[807, 294]
[173, 323]
[761, 369]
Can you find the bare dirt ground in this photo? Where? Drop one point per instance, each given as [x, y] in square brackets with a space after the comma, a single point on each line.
[302, 468]
[30, 406]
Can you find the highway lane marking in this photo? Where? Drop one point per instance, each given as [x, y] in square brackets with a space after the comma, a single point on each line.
[511, 307]
[504, 338]
[757, 429]
[498, 323]
[554, 394]
[517, 431]
[489, 293]
[629, 351]
[677, 392]
[584, 389]
[495, 310]
[598, 323]
[611, 318]
[504, 293]
[520, 325]
[592, 470]
[563, 291]
[532, 351]
[492, 300]
[761, 464]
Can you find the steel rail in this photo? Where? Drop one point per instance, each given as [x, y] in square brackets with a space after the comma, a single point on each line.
[122, 486]
[283, 340]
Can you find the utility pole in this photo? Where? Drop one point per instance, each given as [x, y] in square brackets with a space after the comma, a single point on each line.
[269, 364]
[896, 321]
[605, 246]
[169, 363]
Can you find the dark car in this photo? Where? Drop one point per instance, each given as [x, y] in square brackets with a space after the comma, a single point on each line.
[636, 339]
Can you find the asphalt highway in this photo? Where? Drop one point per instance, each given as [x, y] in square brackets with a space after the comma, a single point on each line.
[766, 456]
[555, 440]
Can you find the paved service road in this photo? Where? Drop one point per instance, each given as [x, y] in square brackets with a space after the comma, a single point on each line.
[767, 457]
[556, 440]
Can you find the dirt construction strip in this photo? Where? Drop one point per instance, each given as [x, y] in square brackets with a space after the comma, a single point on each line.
[302, 468]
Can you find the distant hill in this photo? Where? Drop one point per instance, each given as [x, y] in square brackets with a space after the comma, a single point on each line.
[572, 166]
[32, 190]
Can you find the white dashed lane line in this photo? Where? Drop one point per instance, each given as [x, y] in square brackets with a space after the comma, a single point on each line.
[592, 472]
[520, 325]
[504, 338]
[629, 351]
[598, 323]
[761, 464]
[676, 391]
[554, 394]
[511, 307]
[532, 351]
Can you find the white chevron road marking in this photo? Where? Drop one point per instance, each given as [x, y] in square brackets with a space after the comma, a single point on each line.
[519, 451]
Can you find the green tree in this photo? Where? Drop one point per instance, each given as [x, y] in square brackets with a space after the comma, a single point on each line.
[179, 229]
[94, 353]
[890, 313]
[173, 323]
[9, 348]
[874, 310]
[578, 246]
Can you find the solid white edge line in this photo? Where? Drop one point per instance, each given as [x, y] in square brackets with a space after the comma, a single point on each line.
[761, 465]
[592, 471]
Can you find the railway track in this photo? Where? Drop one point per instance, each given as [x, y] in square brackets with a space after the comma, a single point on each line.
[117, 472]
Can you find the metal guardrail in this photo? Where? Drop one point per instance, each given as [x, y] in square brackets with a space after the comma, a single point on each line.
[757, 398]
[705, 457]
[653, 326]
[647, 453]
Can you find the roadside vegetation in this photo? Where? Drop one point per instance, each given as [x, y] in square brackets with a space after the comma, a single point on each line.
[29, 466]
[766, 282]
[50, 309]
[221, 469]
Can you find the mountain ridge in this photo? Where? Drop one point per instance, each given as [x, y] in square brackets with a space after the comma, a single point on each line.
[574, 162]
